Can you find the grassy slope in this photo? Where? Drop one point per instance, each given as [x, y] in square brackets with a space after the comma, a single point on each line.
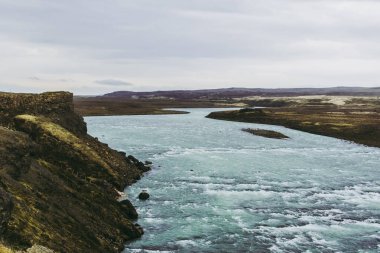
[58, 185]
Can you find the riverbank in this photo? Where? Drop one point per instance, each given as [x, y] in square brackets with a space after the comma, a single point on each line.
[356, 120]
[58, 185]
[99, 107]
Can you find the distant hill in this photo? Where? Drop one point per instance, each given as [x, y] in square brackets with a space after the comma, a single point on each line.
[226, 93]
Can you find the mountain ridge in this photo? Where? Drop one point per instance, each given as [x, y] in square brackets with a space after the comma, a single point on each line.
[235, 92]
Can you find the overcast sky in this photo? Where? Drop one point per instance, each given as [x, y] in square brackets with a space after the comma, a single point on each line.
[97, 46]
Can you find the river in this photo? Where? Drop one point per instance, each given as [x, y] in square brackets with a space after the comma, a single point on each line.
[215, 188]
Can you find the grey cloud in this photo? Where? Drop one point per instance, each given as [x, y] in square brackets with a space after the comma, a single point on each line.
[64, 80]
[191, 29]
[113, 82]
[260, 42]
[37, 78]
[215, 29]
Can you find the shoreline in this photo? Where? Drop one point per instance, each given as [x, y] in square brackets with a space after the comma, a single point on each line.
[155, 112]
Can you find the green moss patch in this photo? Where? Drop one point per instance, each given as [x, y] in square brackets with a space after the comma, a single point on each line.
[64, 136]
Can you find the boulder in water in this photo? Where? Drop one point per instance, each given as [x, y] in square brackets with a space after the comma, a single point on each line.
[144, 195]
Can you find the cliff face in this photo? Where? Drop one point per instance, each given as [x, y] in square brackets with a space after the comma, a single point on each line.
[58, 184]
[57, 106]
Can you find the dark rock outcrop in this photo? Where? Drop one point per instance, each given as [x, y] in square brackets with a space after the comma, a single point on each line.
[141, 230]
[129, 209]
[6, 206]
[58, 185]
[143, 167]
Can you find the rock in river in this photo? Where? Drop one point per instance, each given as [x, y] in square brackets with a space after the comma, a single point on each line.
[144, 195]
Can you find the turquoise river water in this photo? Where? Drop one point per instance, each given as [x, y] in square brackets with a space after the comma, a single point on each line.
[215, 188]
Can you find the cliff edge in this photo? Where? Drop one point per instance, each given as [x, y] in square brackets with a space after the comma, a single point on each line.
[58, 185]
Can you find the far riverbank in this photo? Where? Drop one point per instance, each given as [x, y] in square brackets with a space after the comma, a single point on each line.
[358, 124]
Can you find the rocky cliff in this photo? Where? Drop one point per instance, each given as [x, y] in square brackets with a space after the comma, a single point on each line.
[58, 185]
[57, 106]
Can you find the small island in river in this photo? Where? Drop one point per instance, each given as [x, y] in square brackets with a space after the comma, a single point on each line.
[265, 133]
